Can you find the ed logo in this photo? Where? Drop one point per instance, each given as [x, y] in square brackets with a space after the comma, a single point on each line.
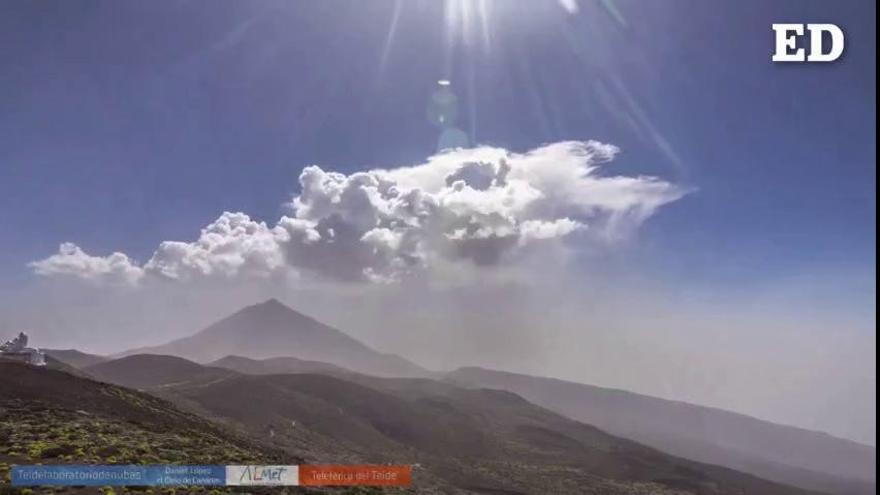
[788, 34]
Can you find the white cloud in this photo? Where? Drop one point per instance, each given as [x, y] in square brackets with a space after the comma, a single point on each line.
[535, 230]
[116, 268]
[477, 206]
[232, 245]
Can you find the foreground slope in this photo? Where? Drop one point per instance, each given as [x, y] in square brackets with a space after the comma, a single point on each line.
[783, 453]
[470, 441]
[271, 329]
[49, 416]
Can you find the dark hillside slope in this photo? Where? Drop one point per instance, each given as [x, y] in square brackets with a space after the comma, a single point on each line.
[783, 453]
[480, 441]
[277, 365]
[148, 370]
[49, 416]
[75, 358]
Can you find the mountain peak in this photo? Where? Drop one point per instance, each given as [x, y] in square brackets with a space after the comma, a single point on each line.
[271, 302]
[274, 314]
[271, 306]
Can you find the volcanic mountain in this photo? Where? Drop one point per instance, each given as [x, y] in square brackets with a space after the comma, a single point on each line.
[271, 329]
[262, 340]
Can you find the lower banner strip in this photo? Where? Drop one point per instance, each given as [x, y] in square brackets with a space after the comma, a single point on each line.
[236, 475]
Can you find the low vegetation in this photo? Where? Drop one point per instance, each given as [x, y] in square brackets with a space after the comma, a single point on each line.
[86, 422]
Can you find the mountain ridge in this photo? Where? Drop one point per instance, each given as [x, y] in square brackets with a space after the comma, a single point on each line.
[472, 440]
[775, 451]
[276, 365]
[74, 357]
[666, 400]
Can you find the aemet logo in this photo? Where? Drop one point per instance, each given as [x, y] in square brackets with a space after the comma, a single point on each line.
[262, 475]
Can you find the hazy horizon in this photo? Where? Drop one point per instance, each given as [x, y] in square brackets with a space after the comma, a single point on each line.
[509, 346]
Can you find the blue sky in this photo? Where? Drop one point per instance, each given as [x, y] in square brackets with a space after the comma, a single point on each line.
[126, 123]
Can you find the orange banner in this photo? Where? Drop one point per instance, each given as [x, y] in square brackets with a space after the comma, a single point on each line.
[354, 475]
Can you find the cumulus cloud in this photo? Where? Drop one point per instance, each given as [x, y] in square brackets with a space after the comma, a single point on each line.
[232, 245]
[71, 260]
[481, 206]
